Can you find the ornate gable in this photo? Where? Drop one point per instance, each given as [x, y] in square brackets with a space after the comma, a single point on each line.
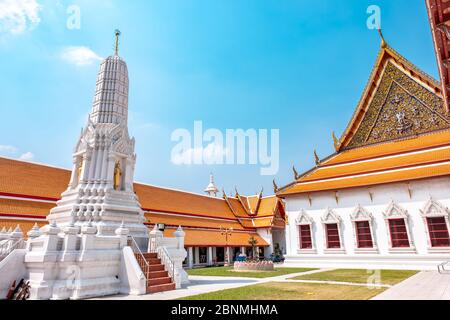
[394, 211]
[361, 214]
[303, 218]
[434, 208]
[330, 216]
[399, 102]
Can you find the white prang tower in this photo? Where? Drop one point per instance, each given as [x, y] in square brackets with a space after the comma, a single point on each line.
[101, 186]
[211, 190]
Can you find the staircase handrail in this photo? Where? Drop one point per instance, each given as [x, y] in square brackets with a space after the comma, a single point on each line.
[8, 247]
[139, 256]
[168, 263]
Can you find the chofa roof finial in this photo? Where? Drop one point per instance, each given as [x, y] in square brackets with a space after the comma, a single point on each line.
[383, 41]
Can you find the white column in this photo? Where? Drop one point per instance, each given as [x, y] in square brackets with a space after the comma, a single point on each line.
[197, 256]
[74, 175]
[190, 258]
[210, 256]
[105, 165]
[128, 175]
[110, 171]
[98, 163]
[92, 165]
[228, 257]
[243, 250]
[87, 158]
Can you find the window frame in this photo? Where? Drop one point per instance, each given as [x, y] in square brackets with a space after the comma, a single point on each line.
[302, 220]
[435, 209]
[360, 214]
[394, 212]
[330, 217]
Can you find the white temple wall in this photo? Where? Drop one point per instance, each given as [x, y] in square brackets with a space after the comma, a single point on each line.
[266, 234]
[412, 197]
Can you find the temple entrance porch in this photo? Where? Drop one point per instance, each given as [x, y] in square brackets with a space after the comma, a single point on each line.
[198, 257]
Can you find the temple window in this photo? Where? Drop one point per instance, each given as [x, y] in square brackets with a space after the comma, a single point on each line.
[437, 228]
[333, 239]
[332, 232]
[363, 231]
[304, 225]
[435, 216]
[397, 220]
[399, 233]
[363, 235]
[305, 236]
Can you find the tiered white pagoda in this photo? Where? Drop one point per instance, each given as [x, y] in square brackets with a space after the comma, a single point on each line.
[101, 185]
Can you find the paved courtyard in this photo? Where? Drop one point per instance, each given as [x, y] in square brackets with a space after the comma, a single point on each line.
[426, 285]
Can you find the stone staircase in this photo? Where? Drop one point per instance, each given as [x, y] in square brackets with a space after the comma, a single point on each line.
[158, 280]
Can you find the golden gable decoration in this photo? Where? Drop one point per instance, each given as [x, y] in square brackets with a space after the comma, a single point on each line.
[400, 108]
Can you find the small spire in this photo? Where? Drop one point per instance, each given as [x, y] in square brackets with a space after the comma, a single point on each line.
[275, 186]
[117, 33]
[316, 158]
[296, 175]
[336, 142]
[211, 189]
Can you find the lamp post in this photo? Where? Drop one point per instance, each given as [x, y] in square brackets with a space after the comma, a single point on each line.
[227, 232]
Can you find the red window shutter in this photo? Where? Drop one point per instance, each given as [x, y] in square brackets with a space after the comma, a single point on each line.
[333, 240]
[305, 237]
[437, 228]
[399, 234]
[363, 234]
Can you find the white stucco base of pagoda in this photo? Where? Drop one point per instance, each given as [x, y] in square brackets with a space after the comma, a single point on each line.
[106, 209]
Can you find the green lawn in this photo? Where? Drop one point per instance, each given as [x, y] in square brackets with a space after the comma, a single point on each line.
[389, 277]
[228, 272]
[292, 291]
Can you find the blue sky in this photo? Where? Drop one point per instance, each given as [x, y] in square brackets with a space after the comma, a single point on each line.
[297, 66]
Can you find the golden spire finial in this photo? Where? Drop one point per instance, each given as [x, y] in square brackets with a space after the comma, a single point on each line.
[275, 186]
[336, 142]
[118, 33]
[317, 159]
[296, 175]
[383, 42]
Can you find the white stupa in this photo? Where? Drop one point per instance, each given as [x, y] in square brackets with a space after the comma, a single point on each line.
[211, 189]
[101, 185]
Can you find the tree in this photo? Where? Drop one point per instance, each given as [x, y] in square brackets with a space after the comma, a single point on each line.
[253, 242]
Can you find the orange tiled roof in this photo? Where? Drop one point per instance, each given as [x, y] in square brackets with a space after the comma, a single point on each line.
[39, 182]
[215, 239]
[406, 174]
[26, 178]
[186, 221]
[167, 200]
[31, 208]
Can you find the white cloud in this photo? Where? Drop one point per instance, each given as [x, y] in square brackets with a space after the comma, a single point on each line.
[28, 156]
[8, 149]
[13, 152]
[17, 16]
[79, 56]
